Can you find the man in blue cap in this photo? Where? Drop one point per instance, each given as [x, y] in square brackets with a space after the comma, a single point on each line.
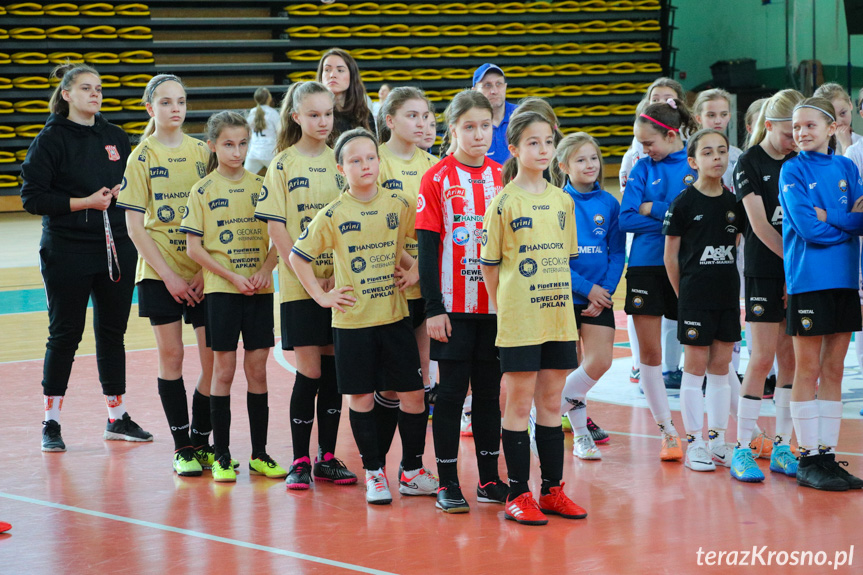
[490, 81]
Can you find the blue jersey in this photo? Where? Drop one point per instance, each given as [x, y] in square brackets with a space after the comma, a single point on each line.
[820, 255]
[657, 182]
[499, 150]
[601, 244]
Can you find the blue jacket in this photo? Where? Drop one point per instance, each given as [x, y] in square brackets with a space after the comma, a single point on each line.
[657, 182]
[601, 244]
[499, 151]
[820, 255]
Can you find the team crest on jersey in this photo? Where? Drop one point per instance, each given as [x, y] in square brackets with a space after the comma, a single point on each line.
[392, 221]
[295, 183]
[226, 236]
[599, 219]
[454, 192]
[460, 236]
[393, 184]
[340, 181]
[484, 237]
[691, 334]
[218, 203]
[527, 267]
[349, 227]
[304, 234]
[421, 203]
[806, 323]
[730, 216]
[638, 301]
[843, 186]
[522, 222]
[263, 195]
[561, 219]
[158, 172]
[358, 264]
[202, 169]
[113, 154]
[254, 198]
[757, 310]
[165, 214]
[304, 223]
[688, 179]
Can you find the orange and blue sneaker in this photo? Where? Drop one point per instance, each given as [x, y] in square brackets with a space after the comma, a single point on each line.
[761, 446]
[671, 448]
[743, 466]
[557, 503]
[264, 465]
[523, 509]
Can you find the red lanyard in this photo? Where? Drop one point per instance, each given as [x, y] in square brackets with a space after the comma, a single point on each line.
[112, 249]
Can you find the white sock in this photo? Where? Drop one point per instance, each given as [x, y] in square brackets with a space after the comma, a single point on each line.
[805, 417]
[692, 406]
[432, 373]
[773, 369]
[735, 357]
[784, 425]
[657, 400]
[116, 409]
[829, 418]
[858, 347]
[53, 405]
[718, 400]
[734, 388]
[468, 402]
[572, 404]
[671, 347]
[633, 342]
[747, 414]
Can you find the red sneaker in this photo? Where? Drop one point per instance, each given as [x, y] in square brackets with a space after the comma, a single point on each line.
[4, 527]
[557, 503]
[524, 510]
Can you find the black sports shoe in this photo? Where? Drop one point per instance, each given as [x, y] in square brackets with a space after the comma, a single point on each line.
[450, 500]
[598, 434]
[329, 468]
[769, 387]
[495, 491]
[51, 438]
[125, 429]
[820, 473]
[299, 475]
[852, 481]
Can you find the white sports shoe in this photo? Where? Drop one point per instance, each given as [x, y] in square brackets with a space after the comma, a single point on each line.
[722, 454]
[419, 482]
[584, 447]
[377, 488]
[466, 425]
[698, 458]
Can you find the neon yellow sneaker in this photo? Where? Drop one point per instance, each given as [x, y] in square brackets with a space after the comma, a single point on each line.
[185, 463]
[223, 472]
[263, 464]
[206, 456]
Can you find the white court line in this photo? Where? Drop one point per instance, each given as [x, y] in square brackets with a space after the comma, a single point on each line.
[279, 354]
[198, 534]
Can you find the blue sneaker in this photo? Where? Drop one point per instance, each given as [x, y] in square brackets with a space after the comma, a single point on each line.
[783, 461]
[672, 379]
[743, 466]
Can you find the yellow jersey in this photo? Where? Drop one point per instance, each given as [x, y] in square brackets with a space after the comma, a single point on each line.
[367, 239]
[532, 237]
[296, 188]
[157, 183]
[222, 213]
[405, 177]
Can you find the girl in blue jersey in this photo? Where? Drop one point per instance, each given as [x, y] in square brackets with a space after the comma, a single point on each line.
[595, 275]
[821, 251]
[653, 184]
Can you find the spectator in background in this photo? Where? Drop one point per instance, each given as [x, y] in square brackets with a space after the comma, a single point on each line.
[266, 124]
[490, 81]
[383, 92]
[338, 71]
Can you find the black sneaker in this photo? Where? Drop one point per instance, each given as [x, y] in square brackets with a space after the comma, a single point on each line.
[125, 429]
[51, 438]
[852, 481]
[299, 475]
[329, 468]
[817, 472]
[598, 434]
[450, 500]
[769, 387]
[495, 491]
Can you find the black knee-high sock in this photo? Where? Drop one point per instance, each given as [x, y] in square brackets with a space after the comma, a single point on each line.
[329, 407]
[201, 426]
[364, 426]
[412, 430]
[516, 451]
[549, 446]
[454, 379]
[302, 412]
[387, 413]
[258, 407]
[485, 418]
[220, 414]
[172, 392]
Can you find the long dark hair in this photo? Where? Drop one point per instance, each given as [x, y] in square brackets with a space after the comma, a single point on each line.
[66, 73]
[354, 109]
[259, 121]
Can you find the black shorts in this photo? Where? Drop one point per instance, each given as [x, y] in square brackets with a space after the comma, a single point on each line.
[305, 323]
[648, 292]
[157, 303]
[764, 300]
[232, 314]
[548, 355]
[605, 317]
[377, 358]
[702, 327]
[472, 339]
[823, 312]
[417, 311]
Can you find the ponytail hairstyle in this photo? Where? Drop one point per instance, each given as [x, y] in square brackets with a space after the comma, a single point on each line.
[751, 117]
[670, 116]
[218, 122]
[291, 131]
[709, 96]
[542, 107]
[150, 94]
[778, 108]
[518, 123]
[352, 135]
[262, 98]
[394, 102]
[571, 144]
[66, 73]
[692, 144]
[462, 103]
[355, 107]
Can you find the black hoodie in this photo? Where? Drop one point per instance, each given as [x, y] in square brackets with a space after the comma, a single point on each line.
[68, 160]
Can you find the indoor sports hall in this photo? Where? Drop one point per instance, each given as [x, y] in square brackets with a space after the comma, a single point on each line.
[117, 506]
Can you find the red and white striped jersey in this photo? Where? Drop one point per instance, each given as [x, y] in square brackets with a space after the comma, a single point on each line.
[452, 202]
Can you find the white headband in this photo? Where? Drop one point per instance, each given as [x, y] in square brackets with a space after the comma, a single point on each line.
[777, 119]
[822, 110]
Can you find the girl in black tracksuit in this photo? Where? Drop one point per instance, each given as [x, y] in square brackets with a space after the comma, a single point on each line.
[72, 175]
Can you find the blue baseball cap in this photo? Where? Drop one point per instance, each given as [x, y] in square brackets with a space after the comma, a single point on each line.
[485, 69]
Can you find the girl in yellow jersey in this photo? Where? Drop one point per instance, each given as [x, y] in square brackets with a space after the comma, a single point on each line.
[301, 180]
[233, 247]
[528, 239]
[402, 124]
[159, 174]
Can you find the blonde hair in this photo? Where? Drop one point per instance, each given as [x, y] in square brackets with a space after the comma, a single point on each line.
[218, 122]
[518, 123]
[291, 131]
[709, 96]
[778, 108]
[150, 92]
[66, 73]
[570, 145]
[831, 91]
[262, 98]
